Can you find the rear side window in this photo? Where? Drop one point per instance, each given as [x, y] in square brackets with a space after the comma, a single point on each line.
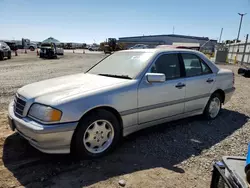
[167, 64]
[205, 68]
[194, 66]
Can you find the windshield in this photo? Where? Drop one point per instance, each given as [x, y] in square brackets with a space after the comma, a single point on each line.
[122, 64]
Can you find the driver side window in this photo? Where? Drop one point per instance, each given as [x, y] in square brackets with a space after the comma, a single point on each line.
[167, 64]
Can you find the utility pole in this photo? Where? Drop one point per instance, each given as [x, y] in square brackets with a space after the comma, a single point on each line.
[173, 29]
[241, 17]
[221, 34]
[244, 51]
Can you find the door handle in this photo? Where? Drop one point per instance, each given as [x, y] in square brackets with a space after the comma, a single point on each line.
[180, 85]
[210, 80]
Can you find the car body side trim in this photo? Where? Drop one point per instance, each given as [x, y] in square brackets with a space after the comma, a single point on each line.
[191, 111]
[137, 127]
[160, 105]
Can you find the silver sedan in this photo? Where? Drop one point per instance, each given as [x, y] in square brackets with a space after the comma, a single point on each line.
[88, 113]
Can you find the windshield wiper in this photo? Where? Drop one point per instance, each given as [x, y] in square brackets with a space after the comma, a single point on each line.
[116, 76]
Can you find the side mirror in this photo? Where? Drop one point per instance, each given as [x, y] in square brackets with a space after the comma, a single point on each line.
[155, 77]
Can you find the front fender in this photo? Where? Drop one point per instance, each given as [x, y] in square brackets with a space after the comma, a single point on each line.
[120, 99]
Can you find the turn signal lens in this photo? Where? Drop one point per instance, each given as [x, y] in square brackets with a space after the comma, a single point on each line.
[55, 115]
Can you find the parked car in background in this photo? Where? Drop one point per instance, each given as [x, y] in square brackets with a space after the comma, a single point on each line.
[59, 51]
[93, 48]
[139, 46]
[48, 50]
[5, 51]
[51, 50]
[88, 113]
[12, 45]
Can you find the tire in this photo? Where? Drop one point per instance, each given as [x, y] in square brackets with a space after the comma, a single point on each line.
[241, 71]
[1, 56]
[32, 48]
[247, 73]
[9, 55]
[216, 97]
[51, 55]
[84, 140]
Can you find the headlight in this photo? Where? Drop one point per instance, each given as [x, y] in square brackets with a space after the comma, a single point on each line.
[45, 113]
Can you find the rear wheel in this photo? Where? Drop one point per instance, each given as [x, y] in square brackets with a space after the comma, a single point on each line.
[213, 106]
[32, 48]
[97, 134]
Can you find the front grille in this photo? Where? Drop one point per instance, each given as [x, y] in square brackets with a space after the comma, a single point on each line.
[19, 105]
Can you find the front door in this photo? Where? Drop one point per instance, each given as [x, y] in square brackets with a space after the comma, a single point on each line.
[199, 82]
[161, 100]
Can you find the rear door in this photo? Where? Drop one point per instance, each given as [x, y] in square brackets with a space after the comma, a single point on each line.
[199, 82]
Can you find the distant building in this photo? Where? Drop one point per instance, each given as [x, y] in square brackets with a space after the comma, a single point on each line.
[205, 43]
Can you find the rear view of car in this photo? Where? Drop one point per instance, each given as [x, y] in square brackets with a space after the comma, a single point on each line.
[5, 51]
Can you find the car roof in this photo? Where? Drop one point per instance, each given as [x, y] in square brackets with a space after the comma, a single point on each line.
[156, 51]
[160, 50]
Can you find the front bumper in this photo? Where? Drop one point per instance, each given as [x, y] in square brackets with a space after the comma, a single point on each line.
[228, 94]
[54, 138]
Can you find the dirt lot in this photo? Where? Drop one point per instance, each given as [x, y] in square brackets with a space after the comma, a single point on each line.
[176, 154]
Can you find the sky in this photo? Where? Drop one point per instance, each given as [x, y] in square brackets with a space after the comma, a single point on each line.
[89, 21]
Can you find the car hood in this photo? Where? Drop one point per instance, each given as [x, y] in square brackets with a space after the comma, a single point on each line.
[54, 90]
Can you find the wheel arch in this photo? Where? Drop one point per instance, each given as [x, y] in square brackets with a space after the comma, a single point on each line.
[104, 107]
[88, 112]
[108, 108]
[221, 93]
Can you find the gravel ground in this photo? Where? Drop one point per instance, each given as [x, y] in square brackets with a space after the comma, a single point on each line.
[176, 154]
[27, 68]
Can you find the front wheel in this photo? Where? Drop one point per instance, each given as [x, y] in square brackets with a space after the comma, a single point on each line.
[9, 55]
[213, 106]
[97, 134]
[1, 56]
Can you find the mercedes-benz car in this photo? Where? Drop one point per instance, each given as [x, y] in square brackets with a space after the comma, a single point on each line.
[88, 113]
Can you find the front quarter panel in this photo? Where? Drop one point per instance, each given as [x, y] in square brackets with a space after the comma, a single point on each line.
[121, 98]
